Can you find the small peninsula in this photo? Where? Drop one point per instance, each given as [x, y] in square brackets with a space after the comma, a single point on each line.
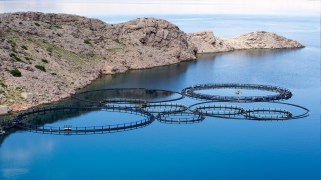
[47, 57]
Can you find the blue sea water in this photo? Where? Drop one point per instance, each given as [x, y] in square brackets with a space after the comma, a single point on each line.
[212, 149]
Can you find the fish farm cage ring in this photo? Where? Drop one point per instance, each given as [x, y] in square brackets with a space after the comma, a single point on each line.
[180, 118]
[305, 113]
[123, 103]
[163, 107]
[267, 114]
[136, 93]
[282, 93]
[219, 110]
[70, 130]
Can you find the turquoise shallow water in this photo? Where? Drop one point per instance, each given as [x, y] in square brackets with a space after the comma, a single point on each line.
[213, 149]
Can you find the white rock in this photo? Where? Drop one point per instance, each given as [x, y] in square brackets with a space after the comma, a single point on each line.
[4, 110]
[27, 96]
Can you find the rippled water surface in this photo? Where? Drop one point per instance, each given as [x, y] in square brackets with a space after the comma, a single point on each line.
[212, 149]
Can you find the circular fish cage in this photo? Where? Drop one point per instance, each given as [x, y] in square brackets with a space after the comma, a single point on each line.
[267, 114]
[218, 110]
[130, 94]
[22, 121]
[153, 104]
[163, 107]
[123, 103]
[305, 111]
[180, 118]
[282, 93]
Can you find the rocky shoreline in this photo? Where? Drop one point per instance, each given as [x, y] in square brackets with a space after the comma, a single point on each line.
[47, 57]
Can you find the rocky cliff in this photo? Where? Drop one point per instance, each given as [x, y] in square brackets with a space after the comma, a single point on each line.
[46, 57]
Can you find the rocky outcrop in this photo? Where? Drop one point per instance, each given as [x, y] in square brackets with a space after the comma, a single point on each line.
[261, 40]
[150, 42]
[206, 42]
[46, 57]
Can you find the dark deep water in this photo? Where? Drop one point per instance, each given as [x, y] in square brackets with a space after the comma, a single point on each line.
[213, 149]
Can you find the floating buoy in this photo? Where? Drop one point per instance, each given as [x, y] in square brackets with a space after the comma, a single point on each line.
[67, 129]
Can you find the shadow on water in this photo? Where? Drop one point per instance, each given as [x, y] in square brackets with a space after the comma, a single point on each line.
[39, 120]
[166, 77]
[95, 98]
[148, 95]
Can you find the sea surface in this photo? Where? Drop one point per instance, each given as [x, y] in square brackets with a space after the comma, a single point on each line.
[215, 148]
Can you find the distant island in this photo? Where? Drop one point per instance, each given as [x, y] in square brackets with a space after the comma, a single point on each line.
[47, 57]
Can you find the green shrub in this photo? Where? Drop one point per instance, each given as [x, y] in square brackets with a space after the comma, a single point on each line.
[55, 26]
[112, 49]
[17, 58]
[14, 50]
[37, 24]
[15, 72]
[58, 27]
[41, 68]
[120, 41]
[24, 47]
[12, 43]
[44, 60]
[49, 49]
[2, 83]
[87, 41]
[13, 55]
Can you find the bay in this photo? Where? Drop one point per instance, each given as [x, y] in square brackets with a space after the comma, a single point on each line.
[212, 149]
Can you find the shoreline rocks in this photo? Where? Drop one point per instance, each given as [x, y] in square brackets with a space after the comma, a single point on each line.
[53, 55]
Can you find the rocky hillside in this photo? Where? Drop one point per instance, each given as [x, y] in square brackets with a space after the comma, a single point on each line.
[46, 57]
[261, 40]
[206, 42]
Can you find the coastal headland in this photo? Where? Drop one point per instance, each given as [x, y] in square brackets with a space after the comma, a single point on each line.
[47, 57]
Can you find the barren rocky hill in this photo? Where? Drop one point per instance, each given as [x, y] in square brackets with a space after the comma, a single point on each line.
[206, 42]
[46, 57]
